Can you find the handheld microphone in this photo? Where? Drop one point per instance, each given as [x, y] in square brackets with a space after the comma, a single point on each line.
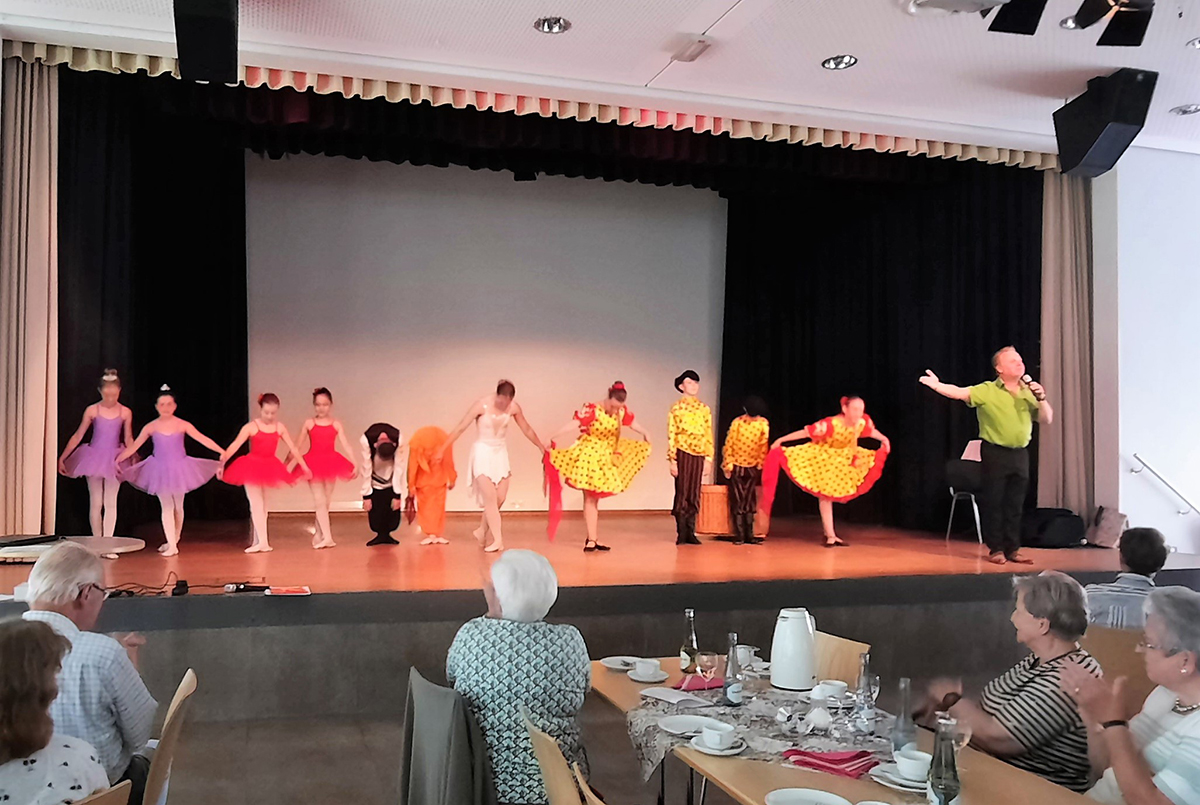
[1026, 379]
[245, 588]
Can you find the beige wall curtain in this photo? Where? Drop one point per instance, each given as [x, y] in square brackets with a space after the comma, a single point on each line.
[28, 297]
[1066, 474]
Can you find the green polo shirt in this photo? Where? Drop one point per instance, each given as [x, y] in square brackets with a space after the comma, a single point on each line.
[1005, 419]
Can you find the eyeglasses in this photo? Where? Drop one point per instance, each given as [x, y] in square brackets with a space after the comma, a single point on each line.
[95, 586]
[1142, 645]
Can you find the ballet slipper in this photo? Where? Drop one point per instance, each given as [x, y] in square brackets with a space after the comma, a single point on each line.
[429, 541]
[255, 548]
[494, 547]
[440, 541]
[164, 547]
[171, 551]
[325, 543]
[265, 549]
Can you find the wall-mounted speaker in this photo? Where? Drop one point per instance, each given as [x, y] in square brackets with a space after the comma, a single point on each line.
[206, 33]
[1095, 129]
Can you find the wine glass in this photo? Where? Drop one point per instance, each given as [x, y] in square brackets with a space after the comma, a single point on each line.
[962, 736]
[706, 664]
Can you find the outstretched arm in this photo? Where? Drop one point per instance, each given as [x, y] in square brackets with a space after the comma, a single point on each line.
[519, 417]
[794, 436]
[141, 440]
[77, 437]
[242, 436]
[944, 389]
[474, 413]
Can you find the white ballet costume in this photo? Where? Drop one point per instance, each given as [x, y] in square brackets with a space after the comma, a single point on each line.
[489, 453]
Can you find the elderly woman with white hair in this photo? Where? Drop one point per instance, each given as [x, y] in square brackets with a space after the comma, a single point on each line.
[1153, 758]
[1023, 717]
[511, 661]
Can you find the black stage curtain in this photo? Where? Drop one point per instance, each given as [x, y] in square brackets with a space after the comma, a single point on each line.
[152, 276]
[843, 288]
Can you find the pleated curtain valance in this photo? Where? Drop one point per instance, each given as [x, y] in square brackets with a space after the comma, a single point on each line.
[86, 59]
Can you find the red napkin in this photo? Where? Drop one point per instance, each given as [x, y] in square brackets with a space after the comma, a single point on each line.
[842, 764]
[697, 682]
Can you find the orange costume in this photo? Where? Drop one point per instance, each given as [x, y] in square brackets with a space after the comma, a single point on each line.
[429, 476]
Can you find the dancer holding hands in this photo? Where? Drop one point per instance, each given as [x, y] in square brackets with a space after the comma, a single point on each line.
[326, 464]
[112, 429]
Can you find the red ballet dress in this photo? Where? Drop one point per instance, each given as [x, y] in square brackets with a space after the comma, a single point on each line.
[259, 467]
[323, 458]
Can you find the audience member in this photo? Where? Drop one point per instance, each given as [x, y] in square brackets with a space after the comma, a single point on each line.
[511, 661]
[1023, 716]
[101, 697]
[38, 766]
[1154, 758]
[1122, 603]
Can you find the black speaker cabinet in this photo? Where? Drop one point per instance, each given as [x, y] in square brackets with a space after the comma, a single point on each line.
[206, 33]
[1095, 129]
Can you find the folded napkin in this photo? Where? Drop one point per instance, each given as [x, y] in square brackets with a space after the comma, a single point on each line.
[697, 682]
[842, 764]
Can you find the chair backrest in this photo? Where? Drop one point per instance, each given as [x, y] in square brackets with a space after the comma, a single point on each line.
[160, 766]
[556, 774]
[838, 658]
[117, 795]
[1116, 651]
[589, 796]
[973, 450]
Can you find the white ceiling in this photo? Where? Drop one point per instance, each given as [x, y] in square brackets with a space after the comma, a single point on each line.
[942, 77]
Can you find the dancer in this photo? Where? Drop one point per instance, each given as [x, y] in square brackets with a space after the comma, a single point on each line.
[430, 473]
[690, 451]
[600, 463]
[488, 468]
[326, 464]
[742, 461]
[383, 486]
[170, 473]
[261, 469]
[831, 467]
[1005, 407]
[112, 429]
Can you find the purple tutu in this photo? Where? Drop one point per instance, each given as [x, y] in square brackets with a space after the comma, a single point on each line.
[170, 470]
[98, 458]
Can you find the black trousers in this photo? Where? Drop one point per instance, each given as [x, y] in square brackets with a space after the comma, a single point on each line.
[743, 494]
[1005, 473]
[137, 773]
[382, 519]
[687, 484]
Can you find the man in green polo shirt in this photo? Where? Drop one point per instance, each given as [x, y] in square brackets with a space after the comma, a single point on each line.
[1005, 407]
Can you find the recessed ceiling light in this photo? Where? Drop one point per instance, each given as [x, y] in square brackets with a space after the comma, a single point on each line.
[1194, 43]
[552, 25]
[1186, 109]
[842, 62]
[1068, 23]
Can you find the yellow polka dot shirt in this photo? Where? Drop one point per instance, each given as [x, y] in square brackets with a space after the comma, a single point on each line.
[745, 443]
[690, 428]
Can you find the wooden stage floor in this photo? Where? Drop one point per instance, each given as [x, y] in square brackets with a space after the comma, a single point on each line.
[644, 553]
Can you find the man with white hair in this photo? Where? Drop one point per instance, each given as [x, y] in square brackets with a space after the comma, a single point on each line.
[101, 696]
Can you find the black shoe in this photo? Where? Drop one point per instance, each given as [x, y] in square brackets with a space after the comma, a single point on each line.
[384, 539]
[590, 546]
[691, 540]
[755, 541]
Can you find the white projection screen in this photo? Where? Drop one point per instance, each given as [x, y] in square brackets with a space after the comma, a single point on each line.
[410, 291]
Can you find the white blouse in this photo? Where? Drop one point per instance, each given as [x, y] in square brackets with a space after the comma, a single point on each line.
[1170, 743]
[65, 771]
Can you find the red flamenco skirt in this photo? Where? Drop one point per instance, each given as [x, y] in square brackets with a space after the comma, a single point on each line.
[325, 465]
[257, 470]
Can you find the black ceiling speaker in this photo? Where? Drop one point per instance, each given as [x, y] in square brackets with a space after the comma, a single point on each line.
[1127, 19]
[206, 33]
[1095, 129]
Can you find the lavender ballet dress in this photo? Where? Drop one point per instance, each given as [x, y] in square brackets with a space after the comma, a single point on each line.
[170, 470]
[98, 458]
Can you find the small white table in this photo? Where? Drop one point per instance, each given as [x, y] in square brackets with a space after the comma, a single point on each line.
[105, 546]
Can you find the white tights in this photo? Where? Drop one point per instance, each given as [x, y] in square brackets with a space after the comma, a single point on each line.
[172, 521]
[102, 495]
[322, 493]
[258, 517]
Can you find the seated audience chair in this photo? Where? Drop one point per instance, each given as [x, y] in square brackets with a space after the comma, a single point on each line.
[1116, 651]
[556, 774]
[838, 658]
[164, 755]
[117, 795]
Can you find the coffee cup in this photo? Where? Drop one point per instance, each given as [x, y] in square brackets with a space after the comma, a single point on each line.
[830, 689]
[913, 763]
[746, 655]
[717, 736]
[647, 669]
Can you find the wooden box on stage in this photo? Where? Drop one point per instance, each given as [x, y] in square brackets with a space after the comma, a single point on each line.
[714, 519]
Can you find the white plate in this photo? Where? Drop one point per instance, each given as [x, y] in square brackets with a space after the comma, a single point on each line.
[619, 663]
[888, 774]
[803, 796]
[650, 680]
[738, 747]
[686, 725]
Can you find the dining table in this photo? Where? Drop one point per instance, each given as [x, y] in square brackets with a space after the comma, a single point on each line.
[985, 779]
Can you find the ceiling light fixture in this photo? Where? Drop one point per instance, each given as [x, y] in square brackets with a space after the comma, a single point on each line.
[1186, 109]
[842, 62]
[692, 50]
[552, 25]
[1194, 43]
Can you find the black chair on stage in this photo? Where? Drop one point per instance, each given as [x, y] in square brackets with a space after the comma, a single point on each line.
[964, 476]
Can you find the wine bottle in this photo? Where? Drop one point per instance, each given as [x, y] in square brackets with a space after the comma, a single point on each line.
[863, 717]
[905, 730]
[690, 650]
[733, 676]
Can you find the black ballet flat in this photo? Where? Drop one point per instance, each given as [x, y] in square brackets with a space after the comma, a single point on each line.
[589, 546]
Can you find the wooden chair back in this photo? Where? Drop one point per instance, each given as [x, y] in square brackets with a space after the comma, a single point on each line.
[838, 658]
[117, 795]
[589, 796]
[556, 774]
[1116, 651]
[160, 766]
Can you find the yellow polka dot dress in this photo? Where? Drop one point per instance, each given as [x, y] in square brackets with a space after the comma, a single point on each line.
[832, 465]
[599, 462]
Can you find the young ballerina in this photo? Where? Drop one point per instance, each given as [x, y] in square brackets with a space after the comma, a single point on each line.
[112, 429]
[260, 469]
[487, 467]
[600, 463]
[831, 467]
[327, 465]
[169, 473]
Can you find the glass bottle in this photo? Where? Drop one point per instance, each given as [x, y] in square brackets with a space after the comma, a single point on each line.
[863, 717]
[691, 649]
[905, 730]
[944, 784]
[733, 678]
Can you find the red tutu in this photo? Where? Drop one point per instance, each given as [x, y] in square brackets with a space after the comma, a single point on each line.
[323, 458]
[259, 467]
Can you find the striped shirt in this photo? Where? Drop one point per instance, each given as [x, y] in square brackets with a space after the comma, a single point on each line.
[101, 698]
[1170, 743]
[1027, 701]
[1121, 604]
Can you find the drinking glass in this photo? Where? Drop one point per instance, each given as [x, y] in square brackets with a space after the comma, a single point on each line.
[706, 664]
[962, 737]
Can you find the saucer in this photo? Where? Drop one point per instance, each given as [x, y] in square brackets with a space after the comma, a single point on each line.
[738, 747]
[619, 663]
[803, 796]
[888, 774]
[662, 675]
[686, 726]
